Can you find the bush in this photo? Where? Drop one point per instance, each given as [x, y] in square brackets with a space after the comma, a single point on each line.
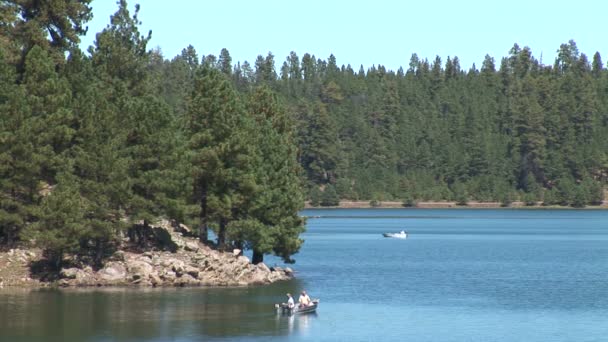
[409, 201]
[330, 197]
[315, 196]
[529, 199]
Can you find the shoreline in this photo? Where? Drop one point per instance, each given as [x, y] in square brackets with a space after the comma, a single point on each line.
[451, 205]
[188, 263]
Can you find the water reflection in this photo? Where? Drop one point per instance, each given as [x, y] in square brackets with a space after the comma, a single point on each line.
[295, 323]
[145, 314]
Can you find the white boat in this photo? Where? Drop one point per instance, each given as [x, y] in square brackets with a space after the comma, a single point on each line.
[401, 235]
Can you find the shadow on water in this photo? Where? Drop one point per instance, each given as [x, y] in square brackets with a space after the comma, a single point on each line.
[146, 314]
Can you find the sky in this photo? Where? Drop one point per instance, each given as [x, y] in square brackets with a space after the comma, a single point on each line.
[367, 33]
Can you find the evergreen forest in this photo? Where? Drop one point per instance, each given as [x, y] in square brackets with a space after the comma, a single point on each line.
[97, 143]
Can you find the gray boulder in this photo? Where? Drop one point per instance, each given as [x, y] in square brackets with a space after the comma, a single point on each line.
[139, 269]
[113, 272]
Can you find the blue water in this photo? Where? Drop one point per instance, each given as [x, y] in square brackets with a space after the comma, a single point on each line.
[462, 275]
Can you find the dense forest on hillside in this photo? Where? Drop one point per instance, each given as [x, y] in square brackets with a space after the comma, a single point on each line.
[510, 130]
[98, 142]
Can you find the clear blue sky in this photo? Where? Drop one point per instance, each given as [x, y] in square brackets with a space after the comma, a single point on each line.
[367, 32]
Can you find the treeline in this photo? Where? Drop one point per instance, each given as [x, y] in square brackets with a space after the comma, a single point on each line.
[517, 131]
[513, 130]
[92, 147]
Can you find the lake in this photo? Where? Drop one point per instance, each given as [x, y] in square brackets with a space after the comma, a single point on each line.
[461, 275]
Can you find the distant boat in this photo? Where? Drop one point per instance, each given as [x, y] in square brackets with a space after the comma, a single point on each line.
[284, 309]
[401, 235]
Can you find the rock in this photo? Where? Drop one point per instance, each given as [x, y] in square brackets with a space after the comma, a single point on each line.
[119, 256]
[113, 272]
[243, 260]
[69, 273]
[193, 271]
[245, 273]
[185, 230]
[139, 269]
[178, 266]
[237, 252]
[169, 276]
[186, 280]
[167, 236]
[259, 278]
[155, 279]
[288, 270]
[262, 266]
[191, 246]
[146, 259]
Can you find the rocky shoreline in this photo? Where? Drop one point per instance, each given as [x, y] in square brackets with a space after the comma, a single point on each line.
[189, 264]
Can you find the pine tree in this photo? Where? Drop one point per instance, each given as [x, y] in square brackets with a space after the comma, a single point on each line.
[219, 151]
[52, 122]
[271, 222]
[225, 62]
[318, 144]
[54, 26]
[61, 223]
[18, 167]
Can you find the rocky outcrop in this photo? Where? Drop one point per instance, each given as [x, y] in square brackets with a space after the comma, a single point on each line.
[185, 262]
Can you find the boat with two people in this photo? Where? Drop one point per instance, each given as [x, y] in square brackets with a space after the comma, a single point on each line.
[401, 235]
[305, 305]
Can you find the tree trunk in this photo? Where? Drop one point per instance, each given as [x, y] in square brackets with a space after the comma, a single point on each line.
[142, 233]
[204, 230]
[257, 257]
[98, 252]
[221, 235]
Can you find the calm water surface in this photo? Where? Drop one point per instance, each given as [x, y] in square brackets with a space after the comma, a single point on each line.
[462, 275]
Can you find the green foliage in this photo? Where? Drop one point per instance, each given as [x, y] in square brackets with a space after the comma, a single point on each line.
[54, 26]
[550, 197]
[580, 197]
[221, 151]
[409, 201]
[278, 197]
[18, 167]
[460, 194]
[330, 197]
[315, 196]
[529, 198]
[61, 224]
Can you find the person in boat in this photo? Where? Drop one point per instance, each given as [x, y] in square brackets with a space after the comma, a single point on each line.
[304, 300]
[290, 302]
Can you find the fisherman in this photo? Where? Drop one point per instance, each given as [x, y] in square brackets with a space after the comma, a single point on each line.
[290, 303]
[304, 300]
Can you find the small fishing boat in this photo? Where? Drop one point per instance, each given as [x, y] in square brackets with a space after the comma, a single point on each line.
[284, 309]
[401, 235]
